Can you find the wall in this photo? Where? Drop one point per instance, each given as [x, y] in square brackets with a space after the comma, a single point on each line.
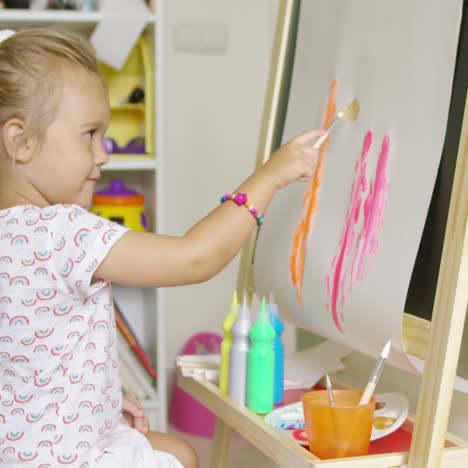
[213, 105]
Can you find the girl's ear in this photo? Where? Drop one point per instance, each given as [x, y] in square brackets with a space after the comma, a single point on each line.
[18, 145]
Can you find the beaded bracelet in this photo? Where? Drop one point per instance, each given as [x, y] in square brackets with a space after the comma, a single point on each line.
[240, 199]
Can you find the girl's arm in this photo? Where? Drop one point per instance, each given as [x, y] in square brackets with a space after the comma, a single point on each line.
[152, 260]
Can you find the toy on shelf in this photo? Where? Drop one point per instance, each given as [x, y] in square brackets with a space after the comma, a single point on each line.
[121, 205]
[131, 102]
[136, 96]
[16, 3]
[135, 145]
[185, 413]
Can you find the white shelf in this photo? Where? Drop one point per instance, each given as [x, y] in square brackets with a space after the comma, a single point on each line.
[131, 163]
[55, 16]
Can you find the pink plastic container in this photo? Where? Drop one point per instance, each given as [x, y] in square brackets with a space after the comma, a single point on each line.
[185, 413]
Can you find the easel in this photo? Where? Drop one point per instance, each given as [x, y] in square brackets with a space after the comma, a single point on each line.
[445, 334]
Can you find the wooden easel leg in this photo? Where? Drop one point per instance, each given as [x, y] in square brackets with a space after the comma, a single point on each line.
[221, 443]
[447, 324]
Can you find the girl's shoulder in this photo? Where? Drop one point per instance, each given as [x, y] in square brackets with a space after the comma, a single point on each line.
[55, 221]
[30, 219]
[45, 213]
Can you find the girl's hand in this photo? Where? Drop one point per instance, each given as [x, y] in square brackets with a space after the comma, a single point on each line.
[133, 414]
[295, 160]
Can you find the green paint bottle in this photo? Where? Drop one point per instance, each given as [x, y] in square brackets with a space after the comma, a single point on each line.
[261, 364]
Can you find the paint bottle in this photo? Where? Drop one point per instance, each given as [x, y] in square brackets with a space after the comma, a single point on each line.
[261, 364]
[226, 344]
[238, 354]
[278, 349]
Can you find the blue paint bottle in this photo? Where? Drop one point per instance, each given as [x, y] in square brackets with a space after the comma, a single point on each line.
[278, 348]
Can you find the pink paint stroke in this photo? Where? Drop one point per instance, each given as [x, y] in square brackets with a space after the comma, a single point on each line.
[367, 241]
[374, 208]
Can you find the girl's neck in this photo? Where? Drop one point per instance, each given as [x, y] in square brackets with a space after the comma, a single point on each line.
[9, 200]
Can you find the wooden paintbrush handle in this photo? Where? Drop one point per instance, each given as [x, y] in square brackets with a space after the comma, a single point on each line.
[323, 137]
[367, 394]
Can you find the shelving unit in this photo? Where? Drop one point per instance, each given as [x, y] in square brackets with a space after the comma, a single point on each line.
[55, 16]
[131, 163]
[144, 308]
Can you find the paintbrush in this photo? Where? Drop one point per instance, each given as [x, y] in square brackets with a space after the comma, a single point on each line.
[351, 112]
[331, 398]
[370, 387]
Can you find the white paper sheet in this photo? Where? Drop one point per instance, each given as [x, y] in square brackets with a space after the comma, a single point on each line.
[303, 369]
[116, 34]
[397, 58]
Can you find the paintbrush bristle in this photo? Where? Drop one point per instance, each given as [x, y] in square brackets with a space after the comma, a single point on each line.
[386, 350]
[352, 111]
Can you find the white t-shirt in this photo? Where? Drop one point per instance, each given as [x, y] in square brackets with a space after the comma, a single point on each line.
[60, 393]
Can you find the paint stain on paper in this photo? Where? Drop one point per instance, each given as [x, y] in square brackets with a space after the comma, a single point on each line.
[350, 265]
[309, 204]
[374, 206]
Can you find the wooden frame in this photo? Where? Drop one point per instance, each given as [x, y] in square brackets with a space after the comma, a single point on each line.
[447, 323]
[441, 349]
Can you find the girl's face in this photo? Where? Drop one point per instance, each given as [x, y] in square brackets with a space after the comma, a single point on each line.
[68, 164]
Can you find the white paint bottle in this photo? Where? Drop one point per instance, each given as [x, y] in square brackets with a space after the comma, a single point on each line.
[238, 354]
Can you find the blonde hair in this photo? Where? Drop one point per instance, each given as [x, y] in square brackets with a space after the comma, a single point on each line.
[32, 62]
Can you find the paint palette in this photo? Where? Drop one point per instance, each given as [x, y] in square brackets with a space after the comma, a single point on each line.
[391, 411]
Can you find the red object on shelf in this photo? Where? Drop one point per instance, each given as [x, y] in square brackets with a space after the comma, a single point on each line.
[398, 441]
[135, 346]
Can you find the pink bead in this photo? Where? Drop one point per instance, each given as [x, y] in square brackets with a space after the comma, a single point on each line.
[240, 198]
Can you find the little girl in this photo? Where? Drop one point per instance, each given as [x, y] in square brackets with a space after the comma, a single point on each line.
[60, 394]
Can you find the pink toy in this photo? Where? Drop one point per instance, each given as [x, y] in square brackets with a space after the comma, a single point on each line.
[185, 413]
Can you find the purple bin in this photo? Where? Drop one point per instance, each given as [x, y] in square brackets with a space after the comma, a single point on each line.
[185, 413]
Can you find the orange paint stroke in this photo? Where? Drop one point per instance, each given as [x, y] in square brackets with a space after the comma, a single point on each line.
[309, 204]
